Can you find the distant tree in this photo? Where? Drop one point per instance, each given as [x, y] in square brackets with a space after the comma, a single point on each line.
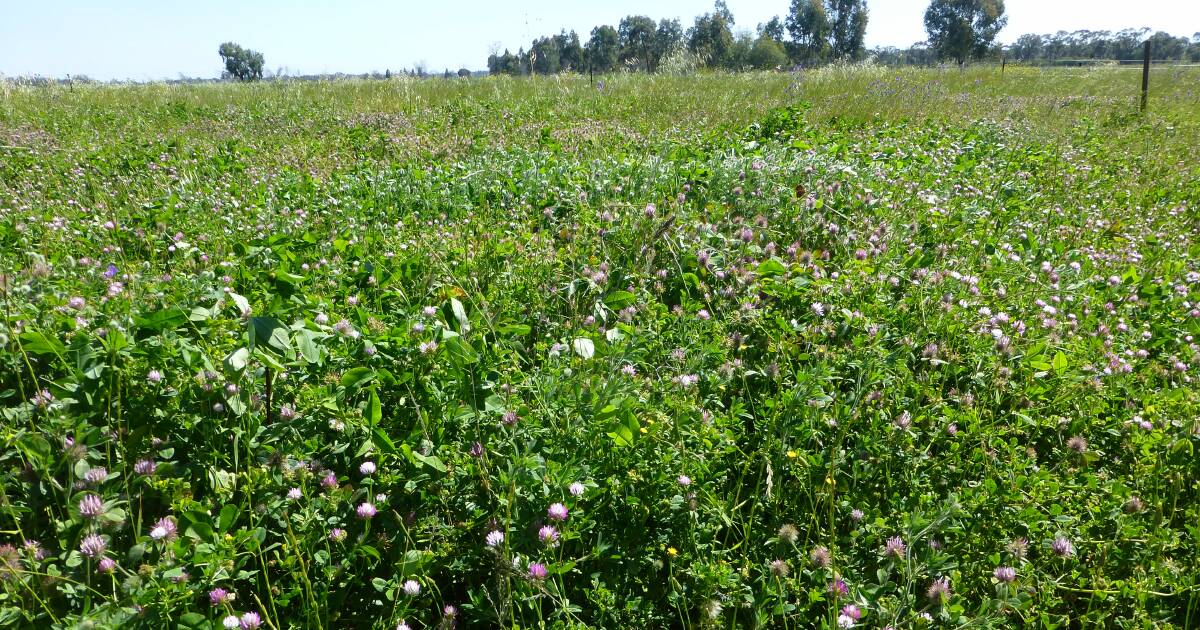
[738, 56]
[711, 38]
[636, 34]
[667, 39]
[774, 29]
[767, 53]
[722, 10]
[848, 27]
[547, 55]
[964, 29]
[521, 62]
[507, 63]
[1027, 48]
[571, 53]
[603, 49]
[242, 64]
[809, 27]
[1168, 47]
[463, 72]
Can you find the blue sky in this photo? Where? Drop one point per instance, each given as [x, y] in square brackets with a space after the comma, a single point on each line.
[155, 39]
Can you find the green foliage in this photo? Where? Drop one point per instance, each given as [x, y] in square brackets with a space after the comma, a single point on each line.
[964, 29]
[777, 346]
[808, 24]
[240, 63]
[711, 38]
[636, 35]
[767, 54]
[603, 49]
[848, 27]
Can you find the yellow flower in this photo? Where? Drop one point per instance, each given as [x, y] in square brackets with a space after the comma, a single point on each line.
[791, 454]
[671, 551]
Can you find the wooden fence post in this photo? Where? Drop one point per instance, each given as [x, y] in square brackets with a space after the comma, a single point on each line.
[1145, 74]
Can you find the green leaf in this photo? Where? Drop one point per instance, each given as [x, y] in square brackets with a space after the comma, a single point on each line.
[460, 314]
[199, 531]
[306, 343]
[35, 342]
[584, 347]
[431, 461]
[228, 517]
[514, 330]
[618, 300]
[770, 268]
[382, 442]
[237, 360]
[621, 436]
[374, 408]
[35, 447]
[355, 378]
[222, 481]
[243, 305]
[165, 319]
[413, 561]
[1060, 363]
[269, 332]
[461, 352]
[558, 568]
[287, 277]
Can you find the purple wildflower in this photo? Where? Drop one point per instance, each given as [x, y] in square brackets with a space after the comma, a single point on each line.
[164, 529]
[939, 590]
[92, 545]
[219, 596]
[838, 587]
[90, 506]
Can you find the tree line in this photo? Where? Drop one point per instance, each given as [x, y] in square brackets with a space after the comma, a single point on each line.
[811, 33]
[1123, 45]
[817, 32]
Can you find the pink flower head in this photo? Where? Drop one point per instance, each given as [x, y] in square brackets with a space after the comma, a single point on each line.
[164, 529]
[90, 506]
[548, 535]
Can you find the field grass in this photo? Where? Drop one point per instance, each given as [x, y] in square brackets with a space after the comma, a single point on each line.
[861, 347]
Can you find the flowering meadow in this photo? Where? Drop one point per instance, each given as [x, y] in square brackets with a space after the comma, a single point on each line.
[853, 348]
